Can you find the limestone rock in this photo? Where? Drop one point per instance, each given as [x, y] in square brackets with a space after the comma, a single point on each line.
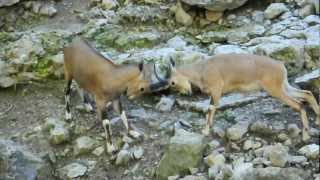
[72, 171]
[274, 10]
[311, 151]
[84, 145]
[185, 151]
[216, 5]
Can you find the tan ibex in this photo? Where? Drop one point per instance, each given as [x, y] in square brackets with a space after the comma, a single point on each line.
[221, 74]
[102, 78]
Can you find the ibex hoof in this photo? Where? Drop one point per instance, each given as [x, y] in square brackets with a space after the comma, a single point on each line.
[206, 132]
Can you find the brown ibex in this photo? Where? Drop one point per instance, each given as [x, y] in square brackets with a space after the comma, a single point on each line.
[221, 74]
[102, 78]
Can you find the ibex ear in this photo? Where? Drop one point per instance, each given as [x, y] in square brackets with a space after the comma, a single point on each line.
[141, 66]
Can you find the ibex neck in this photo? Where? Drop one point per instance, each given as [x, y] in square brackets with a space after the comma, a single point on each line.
[193, 72]
[127, 74]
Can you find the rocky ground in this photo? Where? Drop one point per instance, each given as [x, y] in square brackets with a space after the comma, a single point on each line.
[254, 137]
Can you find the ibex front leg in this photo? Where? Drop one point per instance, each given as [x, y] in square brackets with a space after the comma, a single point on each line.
[209, 118]
[100, 102]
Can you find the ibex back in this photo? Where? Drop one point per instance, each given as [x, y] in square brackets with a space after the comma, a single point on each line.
[102, 78]
[221, 74]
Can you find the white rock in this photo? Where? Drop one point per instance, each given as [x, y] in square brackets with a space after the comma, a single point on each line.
[274, 10]
[165, 104]
[98, 151]
[277, 154]
[237, 131]
[312, 20]
[48, 10]
[73, 170]
[123, 157]
[311, 151]
[84, 145]
[227, 49]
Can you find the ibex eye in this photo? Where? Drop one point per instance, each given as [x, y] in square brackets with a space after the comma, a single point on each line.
[172, 83]
[141, 89]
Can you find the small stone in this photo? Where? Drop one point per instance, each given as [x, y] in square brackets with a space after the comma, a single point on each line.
[59, 135]
[277, 154]
[262, 128]
[215, 159]
[108, 4]
[127, 139]
[137, 152]
[297, 159]
[293, 130]
[250, 144]
[311, 151]
[214, 144]
[283, 137]
[236, 132]
[213, 172]
[165, 104]
[238, 37]
[213, 16]
[73, 170]
[274, 10]
[84, 145]
[6, 82]
[48, 10]
[98, 151]
[123, 157]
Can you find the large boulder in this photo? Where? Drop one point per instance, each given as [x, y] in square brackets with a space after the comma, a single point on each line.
[185, 151]
[17, 162]
[216, 5]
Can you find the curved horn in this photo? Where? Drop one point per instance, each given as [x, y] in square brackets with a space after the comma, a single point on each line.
[156, 74]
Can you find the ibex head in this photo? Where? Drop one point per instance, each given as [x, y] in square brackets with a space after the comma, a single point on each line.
[139, 85]
[176, 80]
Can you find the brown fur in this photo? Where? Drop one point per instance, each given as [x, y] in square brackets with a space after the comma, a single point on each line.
[226, 73]
[102, 78]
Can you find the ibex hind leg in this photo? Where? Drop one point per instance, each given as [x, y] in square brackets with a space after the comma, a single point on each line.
[68, 115]
[277, 90]
[305, 96]
[303, 115]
